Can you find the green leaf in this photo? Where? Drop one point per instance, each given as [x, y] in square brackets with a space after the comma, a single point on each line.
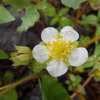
[70, 88]
[37, 66]
[98, 15]
[3, 55]
[97, 32]
[83, 90]
[72, 3]
[10, 95]
[97, 50]
[54, 20]
[79, 68]
[88, 65]
[72, 77]
[84, 39]
[89, 19]
[5, 15]
[49, 10]
[29, 19]
[52, 90]
[78, 79]
[67, 82]
[63, 11]
[18, 4]
[9, 74]
[65, 21]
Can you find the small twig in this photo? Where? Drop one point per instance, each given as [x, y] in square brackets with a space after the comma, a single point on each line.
[85, 83]
[76, 19]
[79, 13]
[45, 17]
[4, 87]
[80, 96]
[34, 76]
[84, 8]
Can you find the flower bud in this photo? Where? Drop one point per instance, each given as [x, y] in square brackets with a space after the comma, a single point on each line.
[22, 56]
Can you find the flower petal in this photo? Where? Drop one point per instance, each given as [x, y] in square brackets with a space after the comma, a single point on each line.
[48, 34]
[69, 33]
[56, 68]
[40, 53]
[78, 56]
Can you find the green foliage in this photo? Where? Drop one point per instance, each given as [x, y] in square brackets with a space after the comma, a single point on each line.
[36, 66]
[3, 55]
[5, 15]
[97, 50]
[29, 19]
[9, 74]
[72, 3]
[65, 21]
[49, 10]
[63, 11]
[97, 32]
[76, 79]
[89, 19]
[18, 4]
[52, 90]
[84, 39]
[54, 20]
[61, 19]
[10, 95]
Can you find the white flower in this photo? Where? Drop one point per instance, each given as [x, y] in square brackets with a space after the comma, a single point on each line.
[60, 49]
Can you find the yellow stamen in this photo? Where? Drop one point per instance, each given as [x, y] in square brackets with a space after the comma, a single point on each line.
[49, 43]
[61, 37]
[56, 37]
[72, 47]
[62, 59]
[69, 42]
[49, 55]
[47, 47]
[59, 49]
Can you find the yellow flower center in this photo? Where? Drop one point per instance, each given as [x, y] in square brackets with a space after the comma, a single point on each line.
[60, 48]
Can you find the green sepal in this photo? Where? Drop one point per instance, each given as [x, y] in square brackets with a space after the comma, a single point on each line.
[76, 44]
[36, 66]
[43, 43]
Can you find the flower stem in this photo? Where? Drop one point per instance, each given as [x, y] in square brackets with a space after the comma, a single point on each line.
[93, 40]
[34, 76]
